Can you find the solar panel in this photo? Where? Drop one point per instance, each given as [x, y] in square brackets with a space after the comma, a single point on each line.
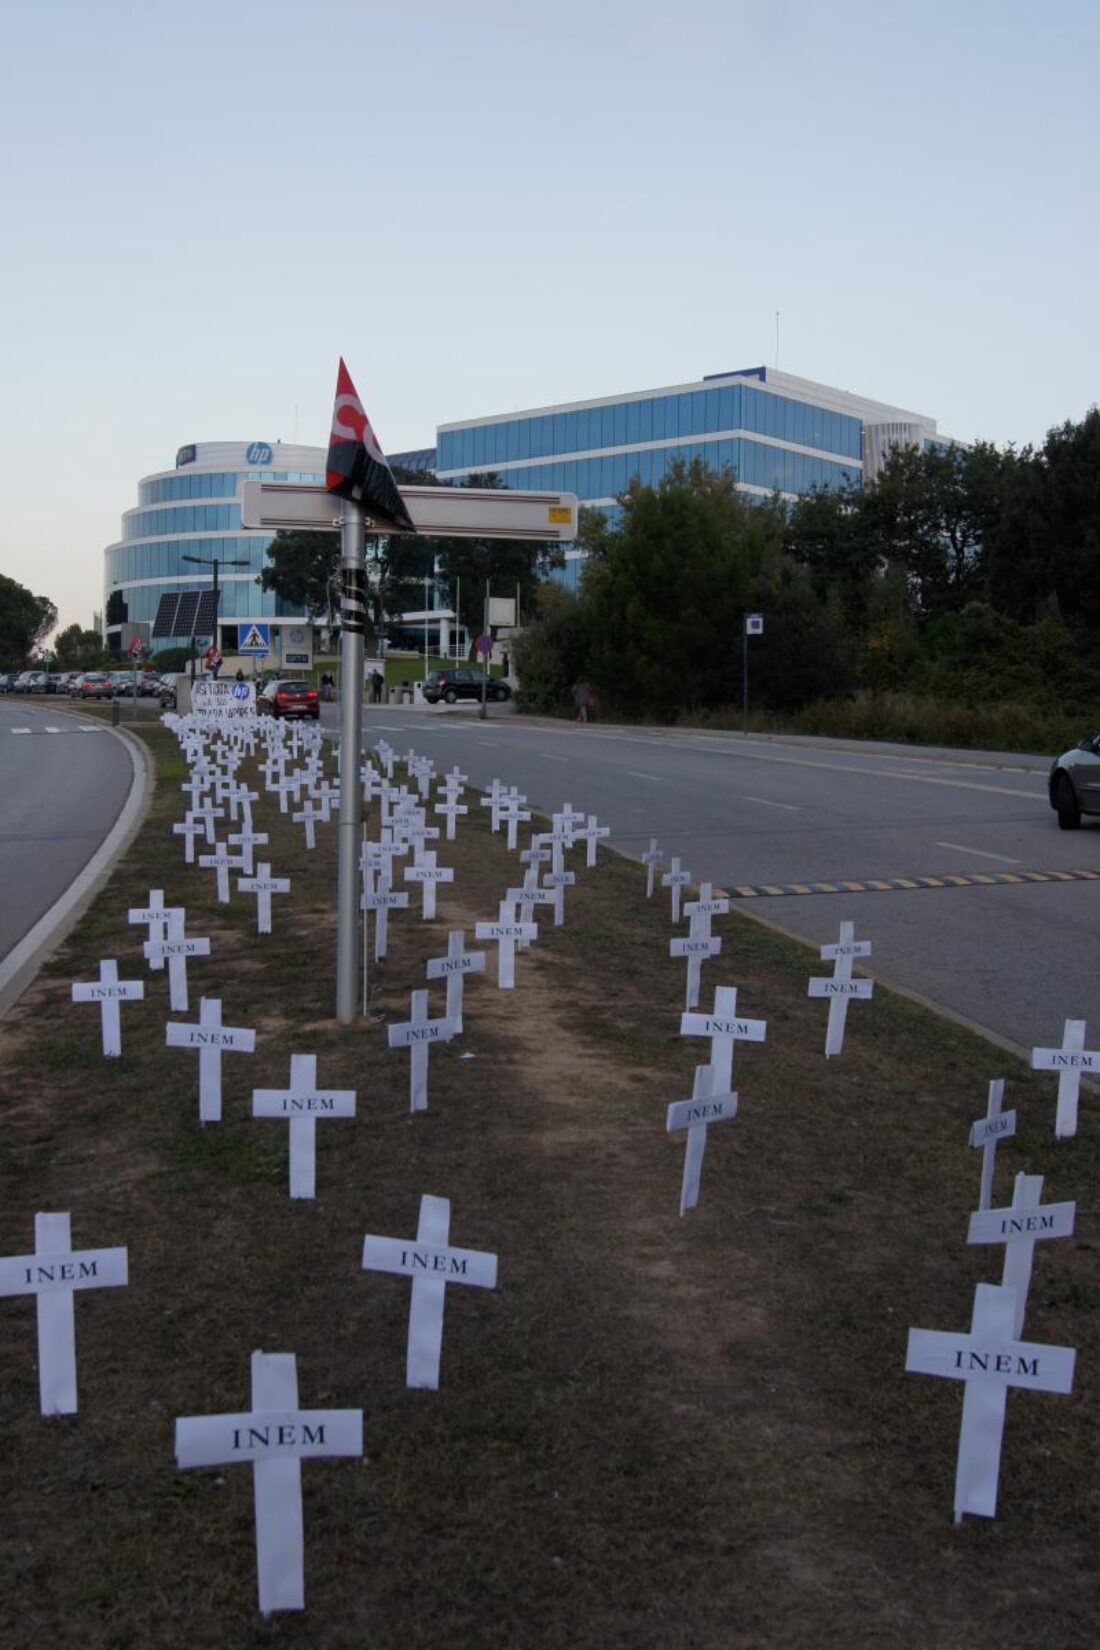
[165, 622]
[185, 618]
[206, 620]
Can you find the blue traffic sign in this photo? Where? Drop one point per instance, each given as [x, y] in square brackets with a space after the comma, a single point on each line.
[255, 638]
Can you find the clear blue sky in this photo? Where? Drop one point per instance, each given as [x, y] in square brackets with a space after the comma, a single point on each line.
[486, 204]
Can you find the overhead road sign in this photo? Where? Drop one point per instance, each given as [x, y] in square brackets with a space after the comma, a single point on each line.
[445, 512]
[186, 613]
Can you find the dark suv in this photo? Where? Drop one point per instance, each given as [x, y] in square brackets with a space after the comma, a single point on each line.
[452, 685]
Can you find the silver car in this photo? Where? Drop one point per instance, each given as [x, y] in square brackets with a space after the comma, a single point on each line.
[1075, 784]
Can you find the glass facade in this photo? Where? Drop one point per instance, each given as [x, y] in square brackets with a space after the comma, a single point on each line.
[194, 512]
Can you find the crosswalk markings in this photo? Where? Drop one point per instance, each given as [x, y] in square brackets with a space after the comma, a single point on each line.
[890, 885]
[80, 727]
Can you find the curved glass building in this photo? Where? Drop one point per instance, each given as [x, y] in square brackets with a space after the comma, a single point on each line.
[194, 509]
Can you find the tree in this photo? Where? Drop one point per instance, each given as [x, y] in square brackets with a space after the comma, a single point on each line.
[550, 652]
[301, 569]
[25, 620]
[665, 606]
[75, 647]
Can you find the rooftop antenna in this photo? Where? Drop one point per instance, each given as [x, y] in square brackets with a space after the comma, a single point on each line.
[777, 340]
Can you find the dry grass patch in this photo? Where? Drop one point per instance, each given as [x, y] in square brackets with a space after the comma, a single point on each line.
[655, 1433]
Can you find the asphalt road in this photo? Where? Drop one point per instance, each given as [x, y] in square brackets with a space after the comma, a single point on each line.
[61, 789]
[1016, 960]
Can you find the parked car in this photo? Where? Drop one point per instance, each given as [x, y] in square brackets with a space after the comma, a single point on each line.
[287, 698]
[1074, 783]
[55, 682]
[23, 682]
[166, 690]
[38, 681]
[74, 683]
[8, 681]
[452, 685]
[96, 684]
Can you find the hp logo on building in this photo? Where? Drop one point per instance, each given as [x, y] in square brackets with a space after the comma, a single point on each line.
[258, 453]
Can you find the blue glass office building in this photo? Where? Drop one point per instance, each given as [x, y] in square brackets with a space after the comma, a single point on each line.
[194, 510]
[778, 433]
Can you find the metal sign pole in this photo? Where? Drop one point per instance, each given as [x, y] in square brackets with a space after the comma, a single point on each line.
[484, 658]
[352, 620]
[745, 678]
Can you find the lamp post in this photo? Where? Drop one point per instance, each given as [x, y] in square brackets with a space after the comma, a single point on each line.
[213, 562]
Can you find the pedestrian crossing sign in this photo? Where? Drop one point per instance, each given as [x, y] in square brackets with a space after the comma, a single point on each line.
[256, 638]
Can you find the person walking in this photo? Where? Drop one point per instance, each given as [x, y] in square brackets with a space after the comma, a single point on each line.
[582, 697]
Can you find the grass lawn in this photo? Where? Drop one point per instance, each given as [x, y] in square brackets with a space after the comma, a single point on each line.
[656, 1433]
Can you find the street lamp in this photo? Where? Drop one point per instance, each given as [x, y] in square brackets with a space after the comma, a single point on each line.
[213, 562]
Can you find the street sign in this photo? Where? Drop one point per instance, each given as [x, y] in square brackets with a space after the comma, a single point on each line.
[484, 643]
[211, 657]
[754, 624]
[297, 640]
[446, 512]
[137, 648]
[502, 610]
[256, 639]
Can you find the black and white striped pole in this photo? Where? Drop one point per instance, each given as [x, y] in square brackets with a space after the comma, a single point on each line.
[353, 614]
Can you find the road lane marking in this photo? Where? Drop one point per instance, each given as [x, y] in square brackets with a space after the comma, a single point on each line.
[657, 778]
[764, 803]
[961, 848]
[891, 885]
[547, 756]
[20, 730]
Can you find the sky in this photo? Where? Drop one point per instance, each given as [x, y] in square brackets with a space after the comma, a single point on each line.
[492, 204]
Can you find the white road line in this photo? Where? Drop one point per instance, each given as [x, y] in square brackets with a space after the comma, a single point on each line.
[764, 803]
[20, 730]
[56, 730]
[658, 778]
[547, 756]
[961, 848]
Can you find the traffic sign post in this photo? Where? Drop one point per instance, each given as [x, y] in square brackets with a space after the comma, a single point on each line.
[256, 640]
[754, 626]
[451, 512]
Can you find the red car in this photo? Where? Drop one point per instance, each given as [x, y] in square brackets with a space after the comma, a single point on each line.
[289, 699]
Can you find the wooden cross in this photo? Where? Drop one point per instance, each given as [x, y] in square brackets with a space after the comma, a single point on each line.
[153, 916]
[51, 1274]
[696, 1115]
[176, 947]
[840, 988]
[263, 885]
[431, 1264]
[222, 861]
[651, 859]
[246, 839]
[1069, 1062]
[987, 1132]
[274, 1438]
[1019, 1229]
[417, 1035]
[454, 968]
[989, 1360]
[212, 1040]
[677, 880]
[189, 830]
[698, 945]
[724, 1028]
[308, 817]
[429, 875]
[506, 931]
[302, 1103]
[590, 833]
[108, 991]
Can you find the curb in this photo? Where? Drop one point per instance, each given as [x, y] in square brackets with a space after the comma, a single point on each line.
[20, 966]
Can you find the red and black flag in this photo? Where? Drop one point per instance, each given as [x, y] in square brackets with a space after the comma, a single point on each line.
[357, 467]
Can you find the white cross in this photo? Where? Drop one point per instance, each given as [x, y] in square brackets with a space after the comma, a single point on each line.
[152, 915]
[724, 1028]
[590, 834]
[303, 1102]
[52, 1273]
[212, 1040]
[696, 1115]
[1019, 1229]
[382, 899]
[995, 1126]
[450, 809]
[222, 861]
[492, 800]
[208, 814]
[565, 822]
[189, 830]
[651, 859]
[108, 992]
[177, 948]
[454, 968]
[431, 1264]
[273, 1438]
[263, 885]
[514, 814]
[1069, 1062]
[989, 1360]
[417, 1034]
[506, 931]
[246, 839]
[698, 944]
[676, 879]
[196, 787]
[307, 817]
[841, 987]
[428, 874]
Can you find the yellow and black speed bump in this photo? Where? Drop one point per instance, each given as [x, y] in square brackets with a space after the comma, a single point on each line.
[897, 885]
